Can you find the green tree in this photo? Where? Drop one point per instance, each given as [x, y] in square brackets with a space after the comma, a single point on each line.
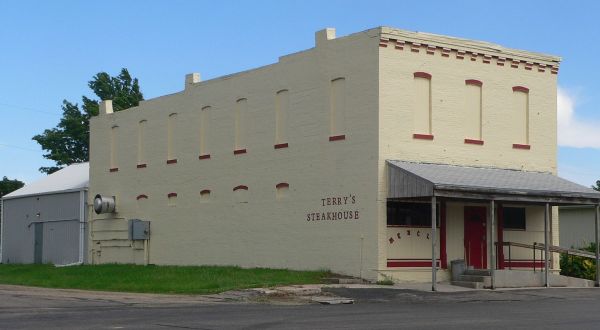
[597, 186]
[68, 142]
[7, 186]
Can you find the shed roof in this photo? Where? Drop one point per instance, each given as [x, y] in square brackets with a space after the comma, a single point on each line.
[408, 179]
[71, 178]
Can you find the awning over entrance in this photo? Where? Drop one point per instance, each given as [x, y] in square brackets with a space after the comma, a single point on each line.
[410, 180]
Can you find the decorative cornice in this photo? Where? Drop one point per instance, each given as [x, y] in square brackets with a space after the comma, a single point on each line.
[461, 54]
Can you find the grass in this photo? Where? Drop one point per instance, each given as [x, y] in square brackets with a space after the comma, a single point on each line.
[154, 279]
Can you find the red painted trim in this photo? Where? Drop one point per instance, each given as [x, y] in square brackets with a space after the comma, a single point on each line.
[282, 185]
[114, 169]
[405, 226]
[422, 75]
[204, 156]
[521, 146]
[423, 136]
[473, 141]
[523, 263]
[141, 165]
[473, 82]
[141, 196]
[520, 89]
[337, 138]
[240, 187]
[172, 161]
[205, 191]
[169, 195]
[443, 253]
[410, 263]
[383, 45]
[239, 151]
[280, 145]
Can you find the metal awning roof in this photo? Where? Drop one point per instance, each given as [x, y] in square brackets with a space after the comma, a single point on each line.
[74, 177]
[411, 180]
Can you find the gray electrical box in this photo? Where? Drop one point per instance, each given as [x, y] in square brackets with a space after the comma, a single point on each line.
[139, 229]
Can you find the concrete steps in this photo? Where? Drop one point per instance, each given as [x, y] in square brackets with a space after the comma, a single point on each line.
[475, 279]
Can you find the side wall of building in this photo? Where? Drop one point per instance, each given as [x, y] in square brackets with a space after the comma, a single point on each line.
[303, 198]
[57, 216]
[452, 106]
[576, 226]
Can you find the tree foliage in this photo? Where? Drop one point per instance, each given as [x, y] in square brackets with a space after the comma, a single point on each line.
[68, 142]
[597, 186]
[7, 186]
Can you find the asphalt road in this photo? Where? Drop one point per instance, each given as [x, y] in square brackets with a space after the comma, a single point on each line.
[373, 309]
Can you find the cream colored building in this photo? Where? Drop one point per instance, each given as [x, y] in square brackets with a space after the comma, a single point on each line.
[291, 165]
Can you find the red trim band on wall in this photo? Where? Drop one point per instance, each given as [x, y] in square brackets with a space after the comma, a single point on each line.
[521, 146]
[239, 151]
[282, 185]
[422, 75]
[523, 264]
[337, 138]
[473, 141]
[141, 165]
[520, 89]
[473, 82]
[142, 196]
[280, 145]
[204, 157]
[242, 187]
[205, 191]
[114, 169]
[172, 161]
[411, 263]
[423, 136]
[169, 195]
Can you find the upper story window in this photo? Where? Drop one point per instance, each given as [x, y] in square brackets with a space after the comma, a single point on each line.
[171, 129]
[241, 108]
[114, 131]
[422, 113]
[282, 104]
[337, 109]
[205, 120]
[521, 117]
[141, 145]
[473, 111]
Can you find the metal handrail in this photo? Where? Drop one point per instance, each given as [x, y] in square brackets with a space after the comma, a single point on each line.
[541, 246]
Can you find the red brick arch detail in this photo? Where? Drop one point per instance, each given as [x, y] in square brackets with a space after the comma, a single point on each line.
[282, 185]
[474, 82]
[242, 187]
[205, 191]
[142, 196]
[520, 89]
[169, 195]
[422, 75]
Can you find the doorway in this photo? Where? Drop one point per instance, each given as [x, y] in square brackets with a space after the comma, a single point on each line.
[38, 242]
[475, 237]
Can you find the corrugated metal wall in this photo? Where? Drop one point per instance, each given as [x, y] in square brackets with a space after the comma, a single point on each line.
[59, 214]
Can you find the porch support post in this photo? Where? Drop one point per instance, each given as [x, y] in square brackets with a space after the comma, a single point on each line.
[493, 243]
[546, 248]
[596, 234]
[433, 244]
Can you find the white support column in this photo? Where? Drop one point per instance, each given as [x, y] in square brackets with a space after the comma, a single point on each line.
[433, 244]
[493, 242]
[546, 261]
[596, 234]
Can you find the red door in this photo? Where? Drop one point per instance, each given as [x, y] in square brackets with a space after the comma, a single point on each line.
[475, 237]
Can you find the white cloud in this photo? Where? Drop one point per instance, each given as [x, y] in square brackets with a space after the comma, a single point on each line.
[574, 131]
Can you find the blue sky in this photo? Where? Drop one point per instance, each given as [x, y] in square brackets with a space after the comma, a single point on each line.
[49, 50]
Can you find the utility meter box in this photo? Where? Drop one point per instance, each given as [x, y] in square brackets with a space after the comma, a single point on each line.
[139, 229]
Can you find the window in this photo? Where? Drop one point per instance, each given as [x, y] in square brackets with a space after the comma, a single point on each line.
[171, 157]
[514, 218]
[282, 190]
[422, 106]
[205, 195]
[113, 148]
[410, 214]
[241, 108]
[337, 108]
[172, 199]
[473, 109]
[241, 194]
[282, 104]
[205, 118]
[141, 157]
[521, 116]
